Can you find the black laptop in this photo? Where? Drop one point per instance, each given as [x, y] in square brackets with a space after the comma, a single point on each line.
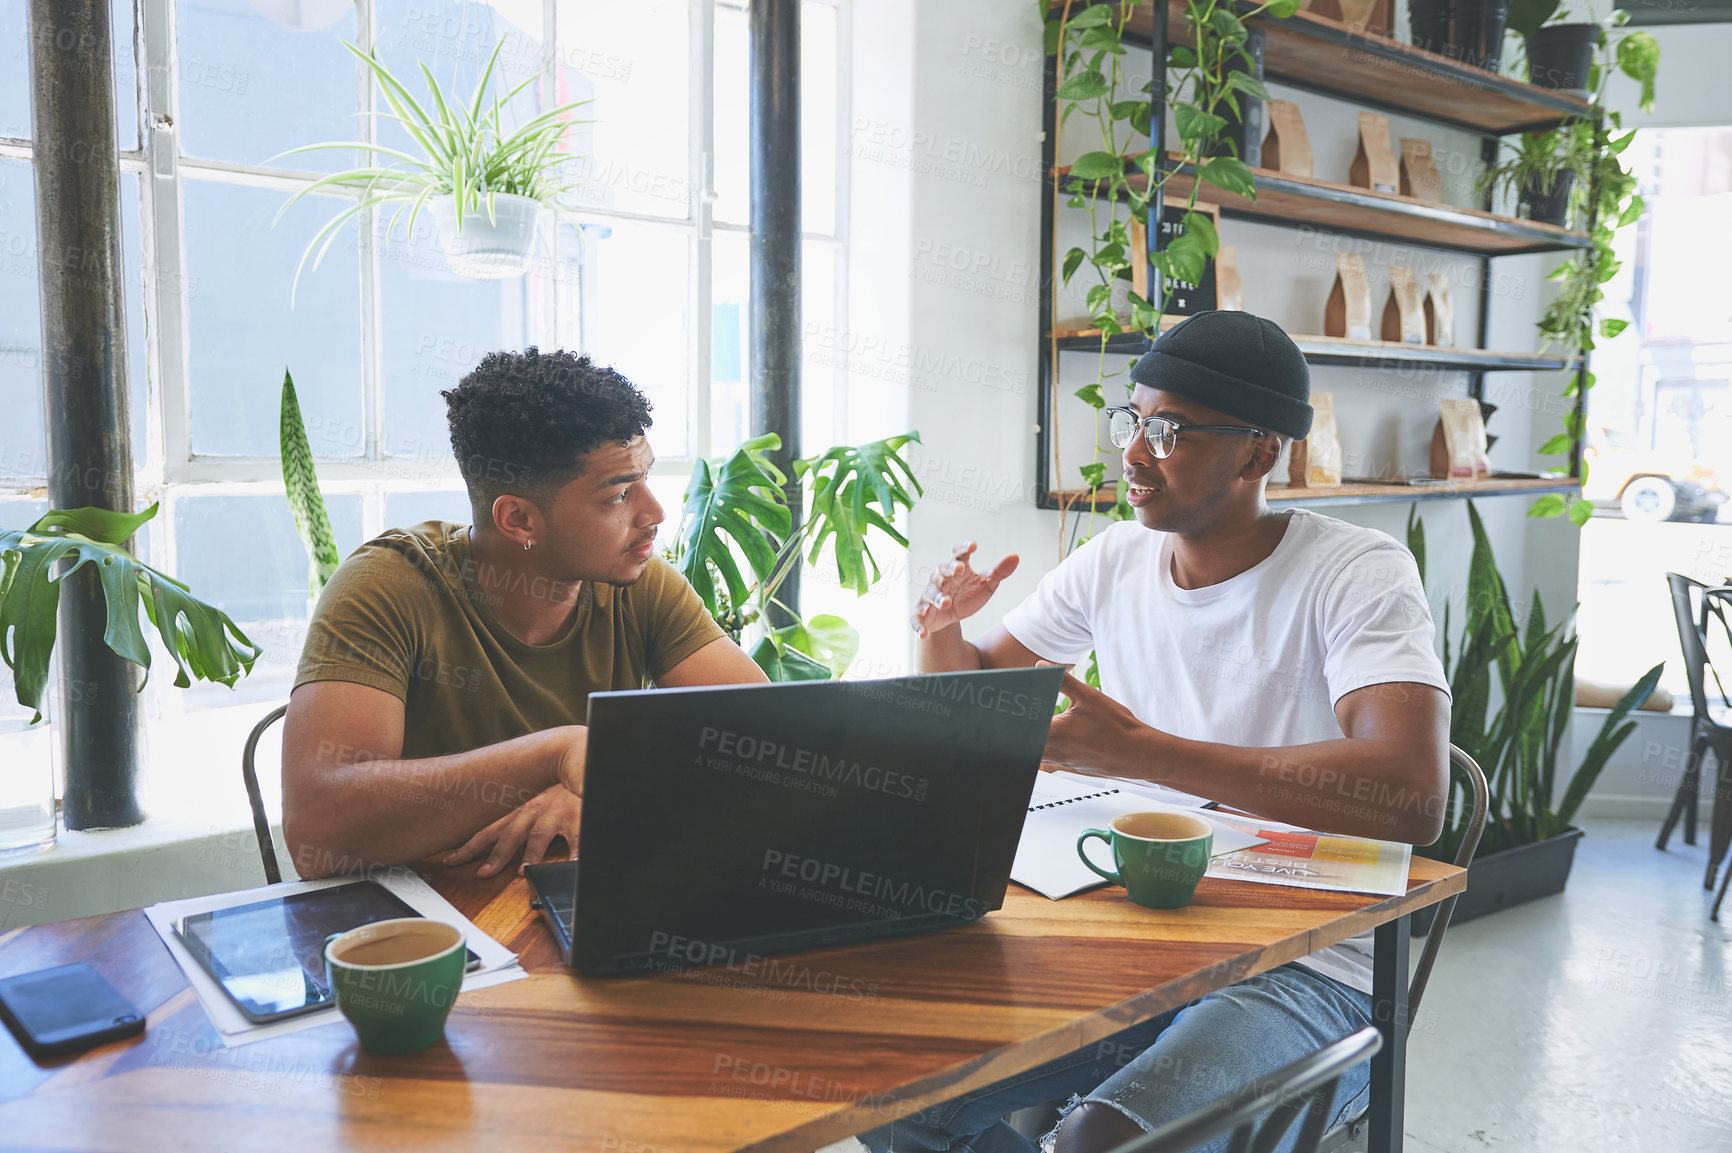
[754, 819]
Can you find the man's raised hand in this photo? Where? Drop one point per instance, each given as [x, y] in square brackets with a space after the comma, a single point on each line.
[956, 591]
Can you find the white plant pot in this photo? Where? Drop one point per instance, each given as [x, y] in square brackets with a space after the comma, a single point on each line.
[27, 753]
[488, 248]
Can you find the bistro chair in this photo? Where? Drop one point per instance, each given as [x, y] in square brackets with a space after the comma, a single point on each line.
[1304, 1088]
[261, 824]
[1710, 725]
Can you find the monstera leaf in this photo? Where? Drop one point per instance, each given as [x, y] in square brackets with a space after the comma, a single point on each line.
[737, 504]
[204, 642]
[855, 489]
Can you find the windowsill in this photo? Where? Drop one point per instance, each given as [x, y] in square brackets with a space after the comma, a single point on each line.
[197, 836]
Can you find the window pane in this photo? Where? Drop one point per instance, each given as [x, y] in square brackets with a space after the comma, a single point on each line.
[251, 87]
[634, 152]
[731, 110]
[403, 509]
[455, 41]
[817, 118]
[137, 362]
[14, 68]
[436, 327]
[819, 373]
[23, 439]
[241, 553]
[630, 311]
[730, 369]
[244, 331]
[125, 76]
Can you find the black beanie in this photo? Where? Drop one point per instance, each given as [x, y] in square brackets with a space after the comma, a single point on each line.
[1235, 363]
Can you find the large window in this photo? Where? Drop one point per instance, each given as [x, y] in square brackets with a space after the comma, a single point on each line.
[647, 271]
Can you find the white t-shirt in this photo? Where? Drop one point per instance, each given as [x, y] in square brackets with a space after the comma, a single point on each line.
[1258, 660]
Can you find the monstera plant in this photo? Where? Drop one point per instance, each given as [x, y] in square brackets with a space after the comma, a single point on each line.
[203, 642]
[736, 508]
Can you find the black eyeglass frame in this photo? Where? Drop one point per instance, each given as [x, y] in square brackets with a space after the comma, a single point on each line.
[1143, 423]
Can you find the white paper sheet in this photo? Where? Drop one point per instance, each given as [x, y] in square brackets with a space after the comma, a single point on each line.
[1064, 804]
[498, 964]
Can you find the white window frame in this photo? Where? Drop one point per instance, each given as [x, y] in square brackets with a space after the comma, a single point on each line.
[170, 469]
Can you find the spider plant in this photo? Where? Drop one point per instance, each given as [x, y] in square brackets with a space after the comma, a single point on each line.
[466, 152]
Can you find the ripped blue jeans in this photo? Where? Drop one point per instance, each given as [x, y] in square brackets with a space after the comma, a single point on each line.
[1162, 1069]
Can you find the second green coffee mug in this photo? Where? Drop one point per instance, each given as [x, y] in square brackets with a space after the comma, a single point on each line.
[395, 980]
[1160, 856]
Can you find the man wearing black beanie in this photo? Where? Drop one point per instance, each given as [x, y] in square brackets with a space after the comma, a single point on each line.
[1278, 662]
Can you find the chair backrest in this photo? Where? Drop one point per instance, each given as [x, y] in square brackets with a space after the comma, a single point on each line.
[1463, 854]
[261, 825]
[1307, 1087]
[1685, 594]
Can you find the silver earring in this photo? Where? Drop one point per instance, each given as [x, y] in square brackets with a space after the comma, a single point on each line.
[526, 545]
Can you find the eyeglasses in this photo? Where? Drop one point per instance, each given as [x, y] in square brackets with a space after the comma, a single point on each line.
[1161, 433]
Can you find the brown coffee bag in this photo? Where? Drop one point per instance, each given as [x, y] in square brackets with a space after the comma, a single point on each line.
[1419, 178]
[1287, 149]
[1404, 312]
[1439, 311]
[1229, 289]
[1374, 164]
[1464, 439]
[1348, 312]
[1323, 457]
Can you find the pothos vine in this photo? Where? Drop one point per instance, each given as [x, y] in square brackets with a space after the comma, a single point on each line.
[1117, 186]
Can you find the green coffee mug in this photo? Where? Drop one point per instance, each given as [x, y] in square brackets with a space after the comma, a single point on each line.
[1160, 856]
[395, 980]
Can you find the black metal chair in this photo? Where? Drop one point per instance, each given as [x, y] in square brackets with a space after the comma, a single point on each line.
[1304, 1088]
[1710, 729]
[261, 824]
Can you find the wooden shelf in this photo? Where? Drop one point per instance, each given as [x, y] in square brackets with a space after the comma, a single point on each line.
[1295, 200]
[1339, 351]
[1325, 56]
[1362, 492]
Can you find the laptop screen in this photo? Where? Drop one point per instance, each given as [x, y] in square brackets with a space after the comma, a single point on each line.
[764, 816]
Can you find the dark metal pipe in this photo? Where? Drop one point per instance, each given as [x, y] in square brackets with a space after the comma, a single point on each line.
[775, 262]
[84, 376]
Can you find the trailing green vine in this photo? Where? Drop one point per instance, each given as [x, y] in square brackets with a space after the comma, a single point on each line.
[1604, 197]
[1204, 82]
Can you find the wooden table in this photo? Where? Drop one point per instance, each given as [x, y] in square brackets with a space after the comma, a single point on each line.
[786, 1053]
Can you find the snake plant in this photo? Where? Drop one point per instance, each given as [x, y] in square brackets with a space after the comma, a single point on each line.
[1519, 746]
[306, 502]
[203, 642]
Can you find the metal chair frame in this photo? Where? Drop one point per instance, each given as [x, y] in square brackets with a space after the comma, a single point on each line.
[1305, 1087]
[1706, 733]
[261, 825]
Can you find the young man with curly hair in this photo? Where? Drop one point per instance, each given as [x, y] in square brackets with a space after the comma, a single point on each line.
[441, 695]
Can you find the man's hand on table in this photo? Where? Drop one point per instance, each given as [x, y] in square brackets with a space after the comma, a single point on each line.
[1094, 735]
[531, 827]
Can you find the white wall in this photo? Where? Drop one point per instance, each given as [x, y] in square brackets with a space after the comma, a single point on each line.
[957, 273]
[946, 163]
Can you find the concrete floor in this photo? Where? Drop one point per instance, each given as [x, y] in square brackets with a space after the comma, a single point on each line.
[1599, 1019]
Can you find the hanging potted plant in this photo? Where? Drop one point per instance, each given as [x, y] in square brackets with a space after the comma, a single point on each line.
[203, 642]
[1530, 837]
[486, 186]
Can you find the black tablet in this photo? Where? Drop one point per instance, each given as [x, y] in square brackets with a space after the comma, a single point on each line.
[269, 956]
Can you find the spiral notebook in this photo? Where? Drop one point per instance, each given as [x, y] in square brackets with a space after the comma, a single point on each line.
[1064, 804]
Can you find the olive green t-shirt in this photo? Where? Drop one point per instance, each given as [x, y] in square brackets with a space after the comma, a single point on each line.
[404, 614]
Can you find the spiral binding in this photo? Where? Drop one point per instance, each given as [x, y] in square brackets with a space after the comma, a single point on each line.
[1073, 800]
